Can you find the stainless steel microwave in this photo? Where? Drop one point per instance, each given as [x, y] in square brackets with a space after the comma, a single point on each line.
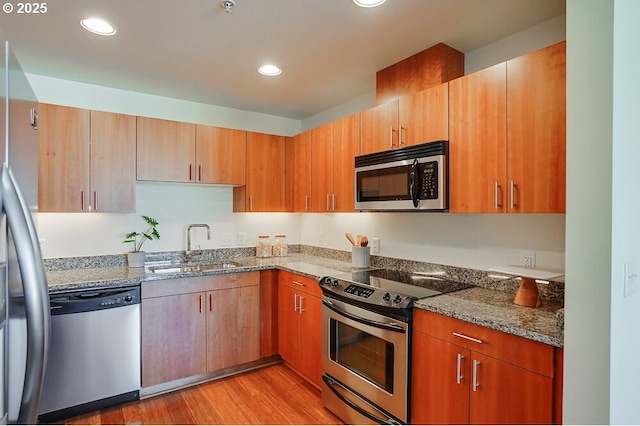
[414, 178]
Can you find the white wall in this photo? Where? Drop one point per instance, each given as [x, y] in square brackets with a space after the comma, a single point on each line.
[601, 324]
[625, 311]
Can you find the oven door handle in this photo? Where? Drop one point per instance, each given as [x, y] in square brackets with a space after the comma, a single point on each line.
[392, 327]
[331, 385]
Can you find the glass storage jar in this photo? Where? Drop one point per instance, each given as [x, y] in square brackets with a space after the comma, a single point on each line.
[280, 247]
[263, 246]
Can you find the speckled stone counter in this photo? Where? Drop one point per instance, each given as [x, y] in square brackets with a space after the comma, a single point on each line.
[495, 309]
[488, 303]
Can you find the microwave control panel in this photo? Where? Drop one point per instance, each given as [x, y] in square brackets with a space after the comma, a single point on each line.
[429, 190]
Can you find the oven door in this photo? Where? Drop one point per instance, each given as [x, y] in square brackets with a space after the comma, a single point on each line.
[366, 355]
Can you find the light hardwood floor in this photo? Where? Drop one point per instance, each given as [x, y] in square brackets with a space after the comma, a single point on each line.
[271, 395]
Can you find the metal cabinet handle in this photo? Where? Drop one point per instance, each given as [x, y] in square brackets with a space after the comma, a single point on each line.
[463, 336]
[301, 308]
[333, 203]
[200, 303]
[459, 375]
[306, 203]
[295, 302]
[391, 136]
[299, 283]
[82, 200]
[210, 303]
[496, 193]
[200, 172]
[400, 141]
[95, 200]
[250, 203]
[328, 195]
[190, 172]
[475, 375]
[513, 193]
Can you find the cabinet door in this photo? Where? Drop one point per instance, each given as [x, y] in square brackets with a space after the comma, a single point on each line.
[221, 155]
[264, 191]
[310, 337]
[506, 394]
[173, 338]
[380, 128]
[478, 140]
[322, 168]
[113, 162]
[424, 116]
[536, 123]
[346, 146]
[288, 325]
[63, 164]
[233, 327]
[437, 395]
[165, 150]
[298, 173]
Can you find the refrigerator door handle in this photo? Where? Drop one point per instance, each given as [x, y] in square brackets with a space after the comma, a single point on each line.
[36, 294]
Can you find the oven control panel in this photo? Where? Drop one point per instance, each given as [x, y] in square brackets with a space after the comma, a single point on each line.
[373, 295]
[359, 291]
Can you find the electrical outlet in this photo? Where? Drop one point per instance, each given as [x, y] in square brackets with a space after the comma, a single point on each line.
[375, 245]
[242, 237]
[42, 242]
[528, 260]
[630, 280]
[227, 239]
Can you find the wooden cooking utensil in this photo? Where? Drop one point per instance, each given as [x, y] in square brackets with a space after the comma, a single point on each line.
[364, 241]
[350, 238]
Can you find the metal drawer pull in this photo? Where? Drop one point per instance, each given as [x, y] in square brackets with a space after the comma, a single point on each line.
[462, 336]
[475, 375]
[299, 283]
[295, 303]
[459, 375]
[496, 192]
[513, 194]
[301, 310]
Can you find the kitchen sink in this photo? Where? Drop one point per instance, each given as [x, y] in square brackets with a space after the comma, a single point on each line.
[176, 268]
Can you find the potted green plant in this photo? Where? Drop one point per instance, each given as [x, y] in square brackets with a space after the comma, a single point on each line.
[136, 257]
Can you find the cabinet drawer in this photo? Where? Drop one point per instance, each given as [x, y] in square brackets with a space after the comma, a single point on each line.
[300, 283]
[533, 356]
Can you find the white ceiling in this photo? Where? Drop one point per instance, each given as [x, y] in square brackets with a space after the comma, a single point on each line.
[194, 50]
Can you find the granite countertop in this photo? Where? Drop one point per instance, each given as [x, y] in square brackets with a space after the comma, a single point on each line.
[478, 305]
[495, 309]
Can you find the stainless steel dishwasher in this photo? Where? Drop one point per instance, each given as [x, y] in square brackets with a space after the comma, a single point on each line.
[94, 356]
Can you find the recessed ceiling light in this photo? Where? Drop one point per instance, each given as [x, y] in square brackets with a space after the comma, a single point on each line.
[369, 3]
[98, 26]
[269, 70]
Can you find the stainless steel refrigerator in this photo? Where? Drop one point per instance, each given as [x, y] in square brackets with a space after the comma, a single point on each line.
[24, 298]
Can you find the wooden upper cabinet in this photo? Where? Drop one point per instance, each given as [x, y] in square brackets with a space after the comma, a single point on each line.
[298, 175]
[346, 146]
[536, 130]
[86, 160]
[478, 141]
[380, 128]
[63, 163]
[264, 191]
[413, 119]
[424, 116]
[322, 167]
[507, 136]
[221, 155]
[166, 150]
[113, 162]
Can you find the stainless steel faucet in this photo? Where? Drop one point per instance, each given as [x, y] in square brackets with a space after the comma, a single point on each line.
[196, 225]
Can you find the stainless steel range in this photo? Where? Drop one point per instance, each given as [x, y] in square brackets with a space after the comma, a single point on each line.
[366, 338]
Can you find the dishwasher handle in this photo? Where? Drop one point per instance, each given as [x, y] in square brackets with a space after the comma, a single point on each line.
[93, 300]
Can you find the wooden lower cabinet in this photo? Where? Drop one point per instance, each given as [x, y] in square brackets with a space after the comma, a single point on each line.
[199, 325]
[467, 382]
[300, 325]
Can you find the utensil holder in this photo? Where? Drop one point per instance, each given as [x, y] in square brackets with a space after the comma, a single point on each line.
[360, 257]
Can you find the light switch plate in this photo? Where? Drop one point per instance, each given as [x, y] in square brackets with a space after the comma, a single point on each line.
[375, 245]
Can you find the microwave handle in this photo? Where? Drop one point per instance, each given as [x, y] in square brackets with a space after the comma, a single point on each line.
[414, 183]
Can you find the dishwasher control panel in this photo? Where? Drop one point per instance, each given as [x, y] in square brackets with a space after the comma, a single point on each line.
[93, 300]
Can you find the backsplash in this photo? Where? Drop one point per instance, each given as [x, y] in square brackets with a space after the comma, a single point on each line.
[553, 291]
